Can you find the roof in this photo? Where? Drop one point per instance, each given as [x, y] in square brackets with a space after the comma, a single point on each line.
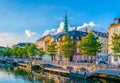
[43, 37]
[1, 47]
[117, 18]
[22, 44]
[101, 34]
[75, 34]
[56, 36]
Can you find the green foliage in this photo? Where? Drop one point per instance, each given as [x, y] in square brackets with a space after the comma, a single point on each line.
[27, 50]
[40, 52]
[32, 50]
[51, 49]
[89, 45]
[116, 44]
[7, 52]
[67, 49]
[15, 51]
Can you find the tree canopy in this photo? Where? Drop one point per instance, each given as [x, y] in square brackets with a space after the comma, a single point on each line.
[116, 44]
[51, 49]
[67, 49]
[24, 51]
[40, 52]
[89, 45]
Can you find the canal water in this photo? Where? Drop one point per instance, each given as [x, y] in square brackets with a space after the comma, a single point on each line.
[17, 75]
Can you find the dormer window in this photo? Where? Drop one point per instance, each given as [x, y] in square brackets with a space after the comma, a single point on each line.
[115, 30]
[59, 39]
[97, 33]
[77, 38]
[104, 35]
[116, 21]
[56, 40]
[84, 34]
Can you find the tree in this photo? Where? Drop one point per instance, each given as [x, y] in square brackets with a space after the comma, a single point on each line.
[67, 49]
[26, 50]
[15, 51]
[51, 50]
[89, 45]
[21, 51]
[40, 52]
[32, 50]
[116, 44]
[7, 52]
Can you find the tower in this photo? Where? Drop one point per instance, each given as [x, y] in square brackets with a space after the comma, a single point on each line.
[65, 23]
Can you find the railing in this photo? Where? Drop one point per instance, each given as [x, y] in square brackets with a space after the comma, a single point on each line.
[90, 67]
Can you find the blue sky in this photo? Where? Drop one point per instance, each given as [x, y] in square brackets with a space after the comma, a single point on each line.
[37, 16]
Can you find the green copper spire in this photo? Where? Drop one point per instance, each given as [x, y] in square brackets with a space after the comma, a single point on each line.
[65, 23]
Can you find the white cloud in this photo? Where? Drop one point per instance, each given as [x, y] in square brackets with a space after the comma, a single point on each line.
[29, 33]
[9, 39]
[53, 31]
[61, 27]
[50, 32]
[86, 25]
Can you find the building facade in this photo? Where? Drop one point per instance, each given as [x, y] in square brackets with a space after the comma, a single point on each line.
[76, 36]
[103, 39]
[113, 28]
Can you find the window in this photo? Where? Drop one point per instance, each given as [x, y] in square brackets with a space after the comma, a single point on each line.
[104, 35]
[98, 33]
[84, 34]
[115, 30]
[77, 38]
[116, 21]
[115, 58]
[59, 39]
[56, 40]
[78, 50]
[72, 37]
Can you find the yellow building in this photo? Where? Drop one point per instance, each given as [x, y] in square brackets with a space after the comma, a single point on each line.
[113, 28]
[44, 42]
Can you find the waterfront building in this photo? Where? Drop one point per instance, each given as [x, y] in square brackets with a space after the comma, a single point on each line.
[103, 39]
[76, 36]
[113, 28]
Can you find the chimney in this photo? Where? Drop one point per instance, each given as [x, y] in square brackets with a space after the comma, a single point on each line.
[75, 29]
[85, 30]
[104, 32]
[117, 21]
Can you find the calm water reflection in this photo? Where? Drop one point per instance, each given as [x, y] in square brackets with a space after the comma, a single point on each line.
[15, 74]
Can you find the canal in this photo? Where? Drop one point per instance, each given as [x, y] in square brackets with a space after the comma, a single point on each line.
[10, 74]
